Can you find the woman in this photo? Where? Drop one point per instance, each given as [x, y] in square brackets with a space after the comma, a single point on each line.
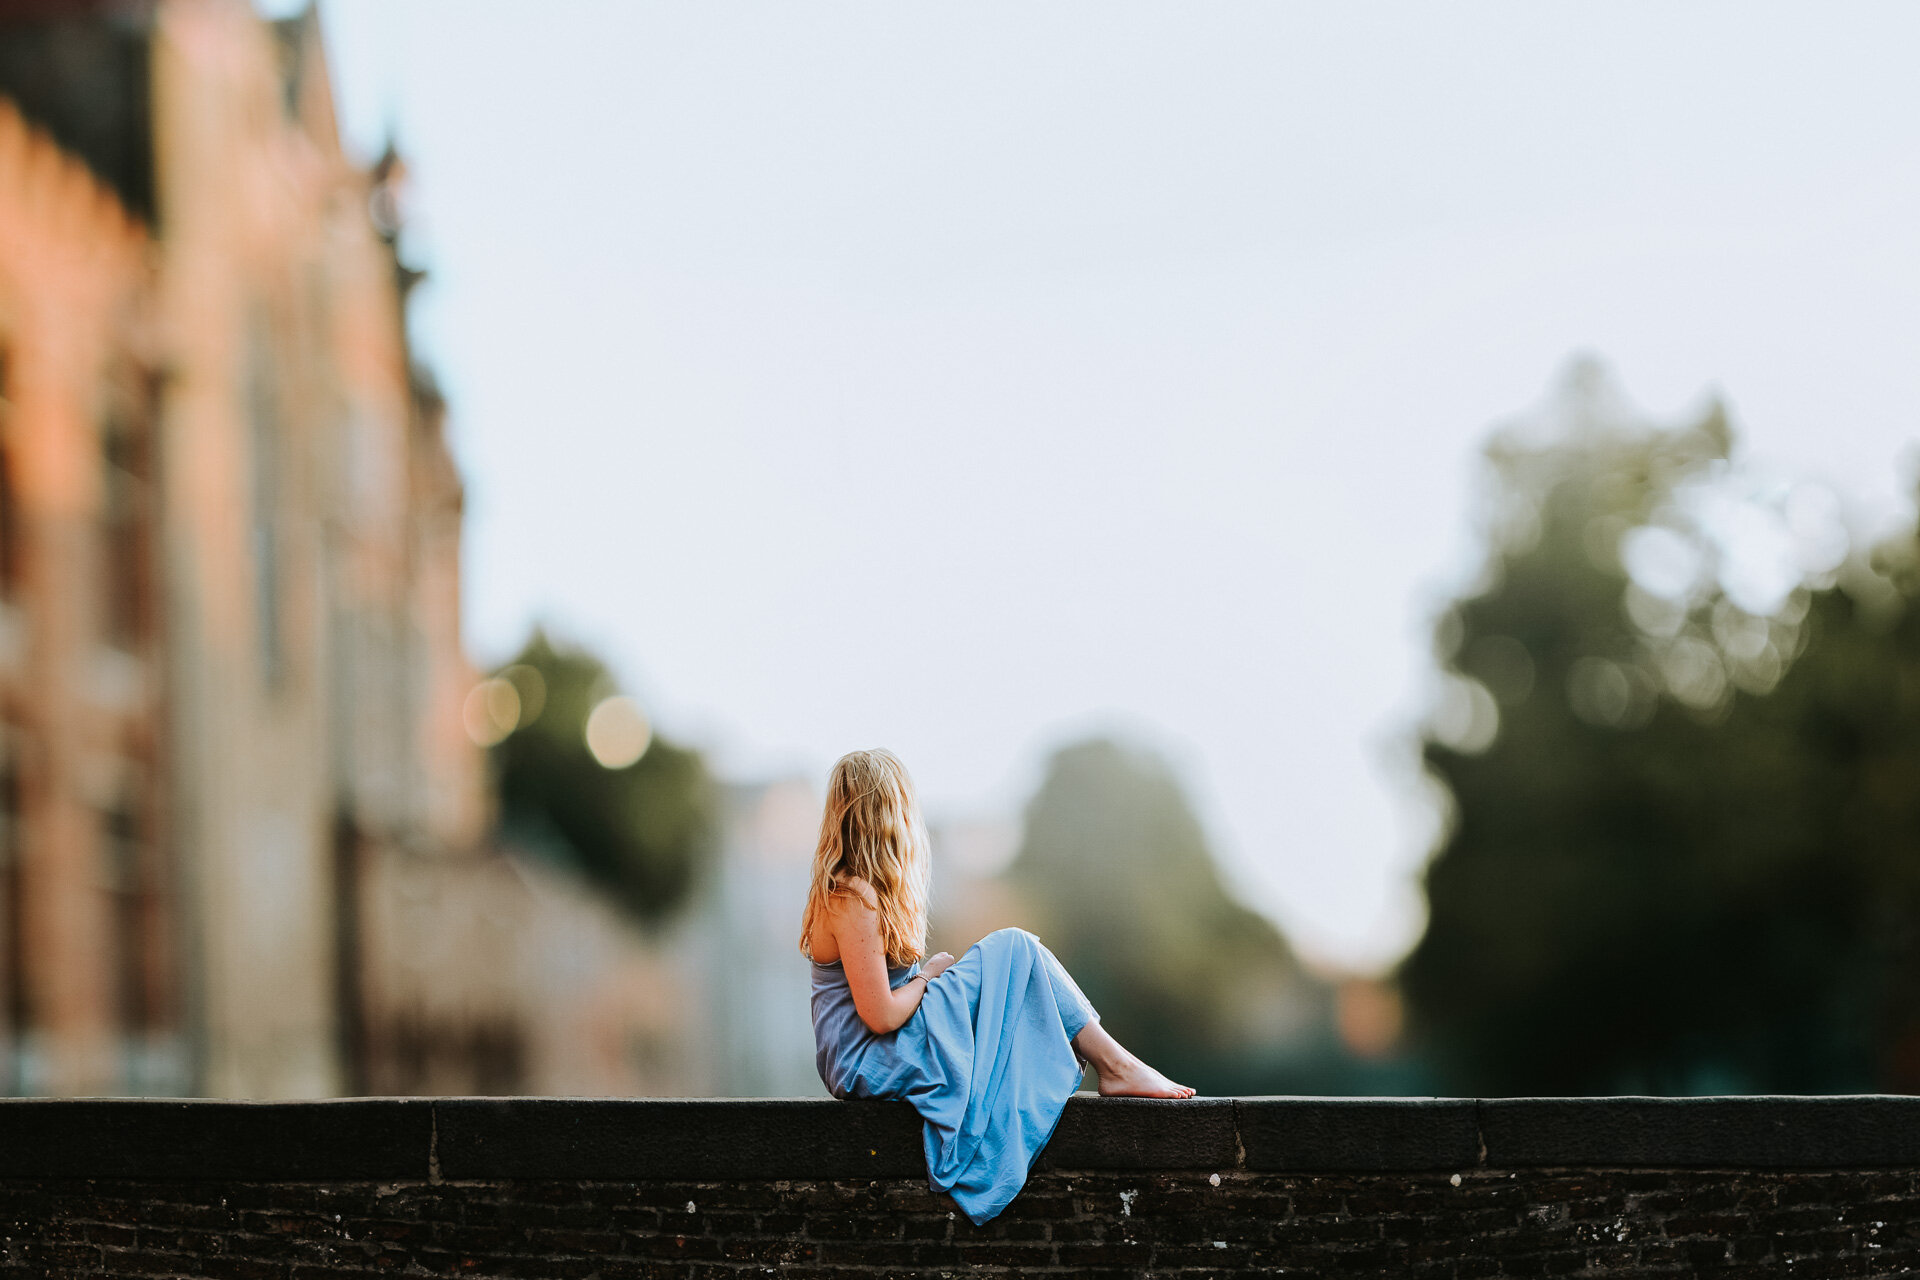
[987, 1048]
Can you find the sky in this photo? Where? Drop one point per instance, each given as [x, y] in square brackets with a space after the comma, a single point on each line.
[967, 379]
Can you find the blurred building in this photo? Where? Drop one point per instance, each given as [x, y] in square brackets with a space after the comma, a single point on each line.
[758, 1037]
[246, 844]
[230, 664]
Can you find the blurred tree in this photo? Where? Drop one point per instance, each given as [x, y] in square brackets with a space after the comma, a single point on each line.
[639, 829]
[1682, 742]
[1117, 865]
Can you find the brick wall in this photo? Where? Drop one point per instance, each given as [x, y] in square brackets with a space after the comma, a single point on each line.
[549, 1188]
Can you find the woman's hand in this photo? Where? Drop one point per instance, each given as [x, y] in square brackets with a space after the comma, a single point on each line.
[855, 922]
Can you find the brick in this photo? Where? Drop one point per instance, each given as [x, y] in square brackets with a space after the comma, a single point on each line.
[642, 1269]
[937, 1256]
[140, 1262]
[845, 1226]
[1224, 1254]
[1114, 1253]
[682, 1248]
[1542, 1223]
[1083, 1230]
[888, 1253]
[1007, 1255]
[218, 1268]
[572, 1240]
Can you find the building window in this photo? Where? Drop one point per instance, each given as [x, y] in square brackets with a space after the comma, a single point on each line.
[9, 495]
[263, 411]
[15, 1013]
[124, 529]
[124, 873]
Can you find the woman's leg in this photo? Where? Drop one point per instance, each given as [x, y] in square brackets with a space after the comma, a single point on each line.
[1076, 1011]
[1121, 1074]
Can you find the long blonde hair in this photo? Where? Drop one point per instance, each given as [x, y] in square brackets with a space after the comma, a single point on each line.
[872, 829]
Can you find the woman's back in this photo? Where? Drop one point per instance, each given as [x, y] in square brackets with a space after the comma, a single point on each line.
[840, 1038]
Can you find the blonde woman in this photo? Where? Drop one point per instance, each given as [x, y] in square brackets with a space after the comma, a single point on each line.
[987, 1048]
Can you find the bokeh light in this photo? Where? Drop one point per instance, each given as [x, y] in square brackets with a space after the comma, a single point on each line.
[617, 732]
[1465, 717]
[532, 688]
[491, 712]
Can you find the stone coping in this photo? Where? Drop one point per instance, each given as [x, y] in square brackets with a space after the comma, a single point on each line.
[580, 1139]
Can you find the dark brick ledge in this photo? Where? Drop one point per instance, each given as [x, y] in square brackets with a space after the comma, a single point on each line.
[457, 1139]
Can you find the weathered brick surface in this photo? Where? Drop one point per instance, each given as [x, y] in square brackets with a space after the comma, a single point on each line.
[1527, 1222]
[1209, 1187]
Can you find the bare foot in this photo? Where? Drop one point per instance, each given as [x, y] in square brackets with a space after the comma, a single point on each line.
[1132, 1078]
[1121, 1074]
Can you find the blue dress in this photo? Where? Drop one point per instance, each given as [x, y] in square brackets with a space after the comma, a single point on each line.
[987, 1060]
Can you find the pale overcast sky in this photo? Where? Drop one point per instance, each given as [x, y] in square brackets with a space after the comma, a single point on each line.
[962, 378]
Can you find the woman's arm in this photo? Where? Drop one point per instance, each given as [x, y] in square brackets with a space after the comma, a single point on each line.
[856, 930]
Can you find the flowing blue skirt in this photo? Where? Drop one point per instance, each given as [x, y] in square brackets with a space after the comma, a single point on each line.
[987, 1060]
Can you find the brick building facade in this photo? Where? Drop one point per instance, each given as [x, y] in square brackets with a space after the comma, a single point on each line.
[230, 660]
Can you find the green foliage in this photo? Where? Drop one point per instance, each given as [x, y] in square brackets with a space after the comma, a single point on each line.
[639, 832]
[1690, 859]
[1197, 984]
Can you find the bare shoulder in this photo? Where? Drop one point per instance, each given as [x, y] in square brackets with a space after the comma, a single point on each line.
[857, 896]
